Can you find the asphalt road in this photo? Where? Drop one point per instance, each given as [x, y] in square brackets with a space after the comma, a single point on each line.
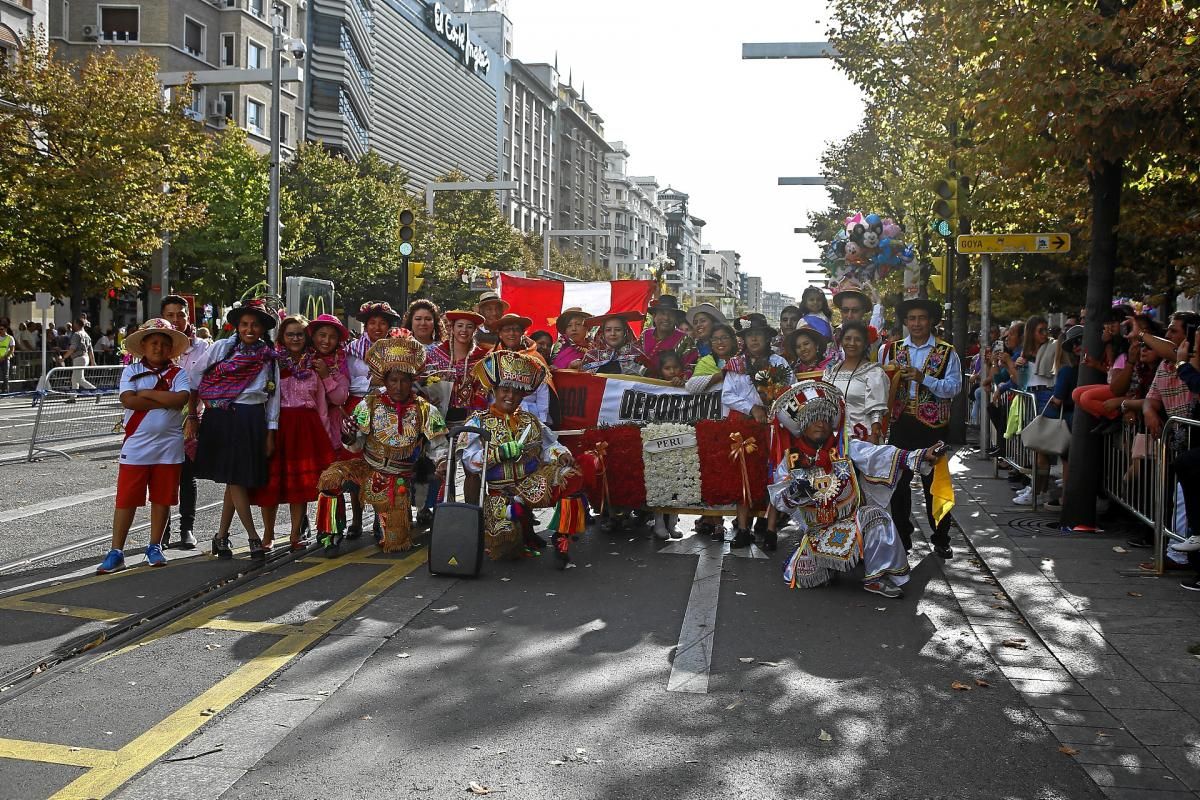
[371, 678]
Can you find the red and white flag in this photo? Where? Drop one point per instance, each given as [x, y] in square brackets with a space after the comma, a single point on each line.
[542, 300]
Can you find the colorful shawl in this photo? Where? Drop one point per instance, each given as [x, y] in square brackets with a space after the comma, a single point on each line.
[224, 381]
[629, 357]
[564, 353]
[290, 366]
[468, 392]
[677, 341]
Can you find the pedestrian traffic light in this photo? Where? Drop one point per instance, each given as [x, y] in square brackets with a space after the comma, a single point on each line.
[406, 225]
[415, 268]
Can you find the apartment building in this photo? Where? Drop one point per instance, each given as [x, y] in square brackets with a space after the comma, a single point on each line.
[686, 278]
[582, 153]
[19, 19]
[528, 157]
[639, 225]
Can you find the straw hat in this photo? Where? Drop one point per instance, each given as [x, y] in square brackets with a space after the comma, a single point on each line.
[492, 297]
[568, 314]
[179, 341]
[706, 308]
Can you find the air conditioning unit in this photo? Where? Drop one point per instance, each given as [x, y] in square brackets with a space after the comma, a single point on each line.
[217, 109]
[92, 33]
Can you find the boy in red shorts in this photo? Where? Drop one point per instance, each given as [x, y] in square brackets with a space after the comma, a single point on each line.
[154, 392]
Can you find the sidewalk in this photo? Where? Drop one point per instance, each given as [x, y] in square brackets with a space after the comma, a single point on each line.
[1111, 675]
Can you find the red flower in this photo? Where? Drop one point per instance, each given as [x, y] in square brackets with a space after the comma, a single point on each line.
[720, 476]
[623, 463]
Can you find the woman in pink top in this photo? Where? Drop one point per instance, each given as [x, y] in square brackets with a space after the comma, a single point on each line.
[572, 343]
[328, 334]
[302, 446]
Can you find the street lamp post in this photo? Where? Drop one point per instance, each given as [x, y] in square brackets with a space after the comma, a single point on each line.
[464, 186]
[297, 48]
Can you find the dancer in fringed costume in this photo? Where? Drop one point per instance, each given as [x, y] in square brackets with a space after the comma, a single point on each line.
[392, 427]
[525, 463]
[837, 489]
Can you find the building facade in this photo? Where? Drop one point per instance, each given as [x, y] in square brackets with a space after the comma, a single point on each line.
[19, 20]
[528, 157]
[582, 152]
[686, 278]
[639, 225]
[773, 304]
[752, 293]
[200, 38]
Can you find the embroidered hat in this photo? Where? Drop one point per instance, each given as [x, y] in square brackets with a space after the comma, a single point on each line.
[266, 308]
[513, 369]
[806, 401]
[453, 316]
[401, 352]
[179, 341]
[384, 309]
[333, 322]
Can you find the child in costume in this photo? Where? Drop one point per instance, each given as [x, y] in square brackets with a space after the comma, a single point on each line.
[392, 427]
[837, 489]
[525, 462]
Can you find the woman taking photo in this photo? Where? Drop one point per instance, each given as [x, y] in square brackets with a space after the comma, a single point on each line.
[302, 446]
[425, 322]
[615, 351]
[863, 383]
[241, 415]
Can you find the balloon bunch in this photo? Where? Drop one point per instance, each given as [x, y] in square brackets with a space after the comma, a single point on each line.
[867, 249]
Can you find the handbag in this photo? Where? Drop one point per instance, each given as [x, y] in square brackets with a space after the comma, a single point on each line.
[1046, 435]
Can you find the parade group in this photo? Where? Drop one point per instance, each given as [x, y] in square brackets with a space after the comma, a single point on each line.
[287, 410]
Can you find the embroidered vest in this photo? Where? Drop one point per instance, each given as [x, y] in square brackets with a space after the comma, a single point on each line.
[929, 409]
[505, 473]
[393, 442]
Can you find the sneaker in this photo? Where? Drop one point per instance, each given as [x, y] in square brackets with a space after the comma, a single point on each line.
[1023, 499]
[883, 589]
[660, 529]
[1192, 585]
[1189, 545]
[113, 562]
[154, 556]
[187, 540]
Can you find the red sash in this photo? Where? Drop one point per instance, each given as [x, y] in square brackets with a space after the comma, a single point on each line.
[165, 379]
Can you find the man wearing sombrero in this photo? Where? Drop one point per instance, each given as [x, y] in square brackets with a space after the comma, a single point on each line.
[930, 376]
[836, 489]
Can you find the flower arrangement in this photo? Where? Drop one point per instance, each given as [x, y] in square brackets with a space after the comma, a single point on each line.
[720, 484]
[771, 382]
[623, 463]
[672, 476]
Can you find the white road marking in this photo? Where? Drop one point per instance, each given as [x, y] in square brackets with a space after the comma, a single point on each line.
[54, 505]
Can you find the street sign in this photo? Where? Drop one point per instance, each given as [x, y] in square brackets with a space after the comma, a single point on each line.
[43, 300]
[971, 243]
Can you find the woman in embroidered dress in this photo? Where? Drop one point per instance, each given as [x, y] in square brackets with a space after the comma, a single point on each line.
[702, 320]
[328, 335]
[665, 336]
[615, 351]
[567, 352]
[452, 363]
[302, 446]
[241, 415]
[424, 320]
[378, 319]
[863, 383]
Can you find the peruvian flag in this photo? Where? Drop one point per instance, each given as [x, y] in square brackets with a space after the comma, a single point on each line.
[543, 300]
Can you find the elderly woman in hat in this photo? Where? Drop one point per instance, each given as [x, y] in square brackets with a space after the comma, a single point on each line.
[702, 319]
[615, 351]
[665, 335]
[572, 343]
[241, 415]
[393, 428]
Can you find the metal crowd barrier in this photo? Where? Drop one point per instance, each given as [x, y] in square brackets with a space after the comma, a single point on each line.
[1135, 484]
[1015, 453]
[77, 403]
[1177, 436]
[25, 369]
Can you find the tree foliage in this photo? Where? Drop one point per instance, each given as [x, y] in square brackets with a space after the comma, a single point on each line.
[86, 152]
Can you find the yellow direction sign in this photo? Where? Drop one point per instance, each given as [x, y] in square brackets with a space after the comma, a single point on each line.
[971, 243]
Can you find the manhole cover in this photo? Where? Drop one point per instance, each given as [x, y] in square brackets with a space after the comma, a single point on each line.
[1034, 526]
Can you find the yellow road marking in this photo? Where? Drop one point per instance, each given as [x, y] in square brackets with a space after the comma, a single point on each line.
[56, 753]
[246, 626]
[80, 612]
[103, 779]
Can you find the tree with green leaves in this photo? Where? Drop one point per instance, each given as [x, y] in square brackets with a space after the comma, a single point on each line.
[94, 166]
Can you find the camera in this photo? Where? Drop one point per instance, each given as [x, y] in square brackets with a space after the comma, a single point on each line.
[297, 48]
[1190, 333]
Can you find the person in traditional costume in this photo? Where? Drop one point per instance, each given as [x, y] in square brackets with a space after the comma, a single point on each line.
[491, 308]
[302, 446]
[511, 330]
[862, 382]
[423, 320]
[615, 351]
[836, 489]
[930, 376]
[241, 415]
[378, 320]
[665, 336]
[702, 319]
[392, 428]
[814, 301]
[567, 352]
[329, 337]
[525, 463]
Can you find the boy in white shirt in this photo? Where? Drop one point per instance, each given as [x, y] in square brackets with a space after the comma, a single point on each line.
[153, 391]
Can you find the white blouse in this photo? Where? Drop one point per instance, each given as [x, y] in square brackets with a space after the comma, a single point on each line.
[866, 388]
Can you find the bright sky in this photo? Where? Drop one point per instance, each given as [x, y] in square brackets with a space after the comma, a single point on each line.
[668, 78]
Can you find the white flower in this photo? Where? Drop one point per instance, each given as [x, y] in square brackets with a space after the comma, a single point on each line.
[672, 476]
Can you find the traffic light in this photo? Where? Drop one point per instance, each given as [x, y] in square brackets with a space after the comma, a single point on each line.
[937, 279]
[946, 209]
[415, 281]
[406, 233]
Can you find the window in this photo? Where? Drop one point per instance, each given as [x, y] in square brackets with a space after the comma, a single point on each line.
[256, 112]
[258, 8]
[228, 54]
[256, 55]
[285, 123]
[120, 24]
[227, 99]
[194, 35]
[196, 107]
[285, 13]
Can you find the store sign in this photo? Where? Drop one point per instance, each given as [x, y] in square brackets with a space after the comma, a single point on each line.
[458, 36]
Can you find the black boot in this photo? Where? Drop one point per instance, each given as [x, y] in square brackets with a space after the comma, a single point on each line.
[770, 541]
[221, 548]
[760, 526]
[742, 537]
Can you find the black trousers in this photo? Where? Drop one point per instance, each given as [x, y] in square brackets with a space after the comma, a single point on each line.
[187, 495]
[1187, 472]
[999, 420]
[910, 434]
